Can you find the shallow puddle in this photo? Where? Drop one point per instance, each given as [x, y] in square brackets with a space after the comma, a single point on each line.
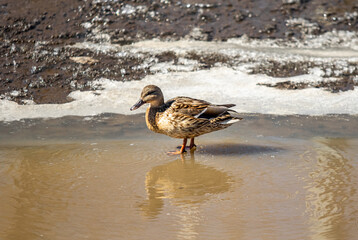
[108, 177]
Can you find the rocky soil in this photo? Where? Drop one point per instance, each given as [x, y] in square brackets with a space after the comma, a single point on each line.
[37, 66]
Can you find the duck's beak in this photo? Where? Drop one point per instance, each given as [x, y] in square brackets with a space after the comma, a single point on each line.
[137, 105]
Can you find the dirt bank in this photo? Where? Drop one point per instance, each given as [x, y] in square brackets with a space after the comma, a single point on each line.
[35, 64]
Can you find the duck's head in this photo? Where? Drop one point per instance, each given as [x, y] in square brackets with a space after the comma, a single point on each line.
[150, 94]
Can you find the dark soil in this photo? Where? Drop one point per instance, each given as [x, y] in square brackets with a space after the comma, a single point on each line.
[344, 75]
[36, 65]
[343, 85]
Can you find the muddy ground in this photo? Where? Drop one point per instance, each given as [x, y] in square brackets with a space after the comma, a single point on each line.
[35, 64]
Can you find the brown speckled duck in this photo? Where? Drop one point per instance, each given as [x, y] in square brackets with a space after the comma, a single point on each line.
[184, 117]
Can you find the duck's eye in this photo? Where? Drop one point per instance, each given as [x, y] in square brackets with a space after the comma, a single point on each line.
[150, 93]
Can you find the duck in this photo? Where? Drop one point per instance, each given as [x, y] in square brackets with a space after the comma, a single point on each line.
[184, 117]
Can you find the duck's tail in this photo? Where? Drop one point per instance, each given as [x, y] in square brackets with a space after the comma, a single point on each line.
[227, 118]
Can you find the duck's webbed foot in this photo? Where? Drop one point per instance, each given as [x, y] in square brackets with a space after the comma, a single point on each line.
[175, 152]
[182, 149]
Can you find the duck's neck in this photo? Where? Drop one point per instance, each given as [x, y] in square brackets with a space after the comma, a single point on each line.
[150, 118]
[151, 114]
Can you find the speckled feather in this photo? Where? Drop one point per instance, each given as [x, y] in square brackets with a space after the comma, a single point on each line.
[180, 117]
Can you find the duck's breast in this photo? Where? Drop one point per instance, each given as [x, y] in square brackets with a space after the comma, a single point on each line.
[181, 126]
[166, 123]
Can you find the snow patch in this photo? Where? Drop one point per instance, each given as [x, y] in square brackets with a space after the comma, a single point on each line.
[217, 85]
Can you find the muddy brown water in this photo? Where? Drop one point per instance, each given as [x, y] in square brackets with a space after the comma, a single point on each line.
[108, 177]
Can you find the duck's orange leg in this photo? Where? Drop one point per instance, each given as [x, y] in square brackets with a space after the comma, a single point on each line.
[192, 145]
[182, 149]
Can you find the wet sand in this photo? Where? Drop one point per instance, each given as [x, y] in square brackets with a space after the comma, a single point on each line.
[109, 177]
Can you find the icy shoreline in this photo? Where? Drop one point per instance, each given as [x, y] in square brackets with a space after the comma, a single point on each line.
[217, 85]
[225, 82]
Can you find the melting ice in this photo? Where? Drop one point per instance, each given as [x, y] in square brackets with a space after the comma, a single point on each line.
[220, 84]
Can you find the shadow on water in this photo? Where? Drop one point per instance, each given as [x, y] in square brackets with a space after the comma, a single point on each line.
[183, 182]
[237, 149]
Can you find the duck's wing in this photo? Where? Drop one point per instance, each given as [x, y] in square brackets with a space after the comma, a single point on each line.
[186, 105]
[196, 108]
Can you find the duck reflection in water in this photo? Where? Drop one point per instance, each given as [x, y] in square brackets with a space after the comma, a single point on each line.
[183, 182]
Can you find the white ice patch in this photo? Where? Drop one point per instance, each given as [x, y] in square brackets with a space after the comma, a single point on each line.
[329, 45]
[184, 65]
[86, 25]
[217, 85]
